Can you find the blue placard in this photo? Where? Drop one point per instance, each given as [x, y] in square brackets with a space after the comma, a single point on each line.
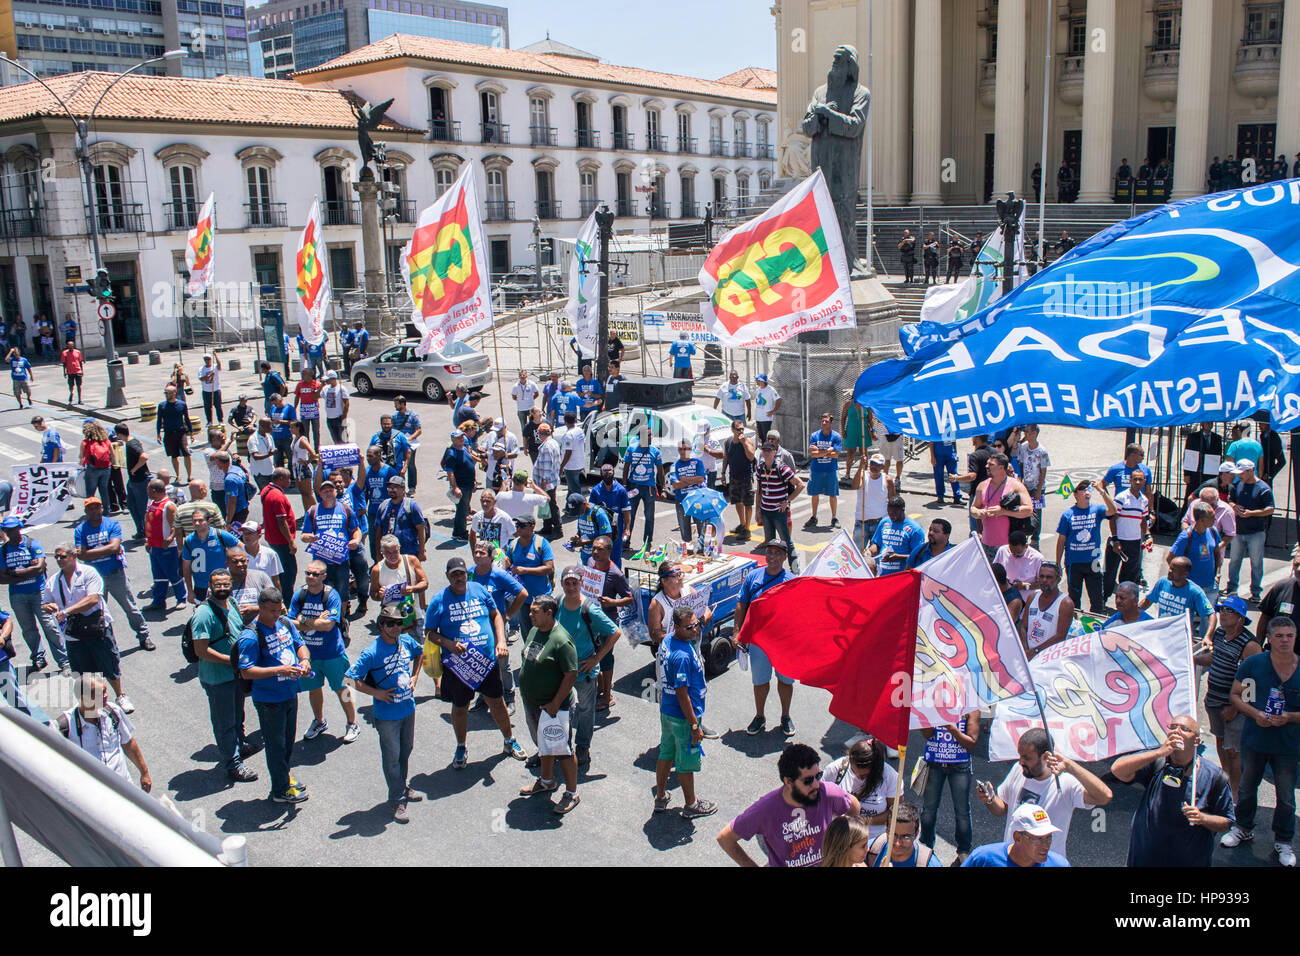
[339, 456]
[471, 667]
[330, 547]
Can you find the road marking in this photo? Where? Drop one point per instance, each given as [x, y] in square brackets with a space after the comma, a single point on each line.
[14, 456]
[25, 431]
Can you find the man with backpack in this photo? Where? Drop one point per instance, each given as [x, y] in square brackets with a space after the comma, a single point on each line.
[393, 446]
[203, 552]
[272, 384]
[594, 636]
[102, 730]
[316, 611]
[328, 525]
[373, 475]
[209, 638]
[458, 464]
[99, 542]
[272, 655]
[401, 517]
[509, 597]
[593, 521]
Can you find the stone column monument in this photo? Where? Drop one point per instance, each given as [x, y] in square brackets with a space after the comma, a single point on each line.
[372, 250]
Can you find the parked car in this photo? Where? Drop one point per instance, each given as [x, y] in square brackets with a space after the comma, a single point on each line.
[610, 432]
[398, 369]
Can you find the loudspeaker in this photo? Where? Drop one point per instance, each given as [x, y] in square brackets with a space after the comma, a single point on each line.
[656, 392]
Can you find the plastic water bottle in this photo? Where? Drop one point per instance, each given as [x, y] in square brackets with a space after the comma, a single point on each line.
[710, 542]
[1275, 706]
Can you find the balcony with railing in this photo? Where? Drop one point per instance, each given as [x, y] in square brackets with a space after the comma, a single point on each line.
[180, 215]
[114, 217]
[1160, 75]
[22, 223]
[587, 206]
[444, 131]
[341, 212]
[1257, 68]
[657, 209]
[740, 148]
[587, 138]
[1069, 82]
[656, 143]
[548, 209]
[499, 210]
[623, 140]
[542, 135]
[686, 144]
[494, 132]
[763, 151]
[404, 210]
[625, 207]
[688, 209]
[718, 147]
[266, 215]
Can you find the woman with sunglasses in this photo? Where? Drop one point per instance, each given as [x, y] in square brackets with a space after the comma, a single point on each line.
[865, 773]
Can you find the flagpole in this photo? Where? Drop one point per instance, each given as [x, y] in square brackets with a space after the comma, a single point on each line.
[1047, 99]
[898, 798]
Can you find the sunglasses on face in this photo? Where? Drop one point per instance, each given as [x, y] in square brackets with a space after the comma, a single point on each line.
[809, 781]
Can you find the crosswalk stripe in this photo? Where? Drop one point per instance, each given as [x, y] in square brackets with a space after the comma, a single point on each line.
[14, 456]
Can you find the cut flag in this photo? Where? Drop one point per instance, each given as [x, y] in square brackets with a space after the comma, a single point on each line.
[445, 268]
[855, 637]
[584, 288]
[780, 274]
[314, 292]
[199, 248]
[840, 558]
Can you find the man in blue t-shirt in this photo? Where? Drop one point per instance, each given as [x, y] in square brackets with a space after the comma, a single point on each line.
[458, 464]
[1252, 502]
[1078, 541]
[1118, 475]
[824, 448]
[99, 544]
[643, 472]
[896, 538]
[20, 370]
[591, 392]
[1176, 594]
[613, 497]
[174, 430]
[509, 597]
[388, 671]
[564, 401]
[51, 441]
[272, 383]
[22, 567]
[273, 656]
[463, 620]
[755, 583]
[409, 425]
[374, 482]
[1127, 610]
[1031, 842]
[203, 551]
[402, 517]
[683, 475]
[335, 519]
[236, 490]
[1271, 736]
[317, 611]
[681, 714]
[681, 351]
[530, 558]
[593, 521]
[281, 414]
[392, 443]
[1200, 543]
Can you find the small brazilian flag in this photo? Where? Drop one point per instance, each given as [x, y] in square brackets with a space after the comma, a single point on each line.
[639, 555]
[1067, 487]
[1090, 623]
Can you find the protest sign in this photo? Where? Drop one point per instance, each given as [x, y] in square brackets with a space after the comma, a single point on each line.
[339, 456]
[330, 547]
[839, 559]
[393, 593]
[42, 493]
[593, 584]
[471, 667]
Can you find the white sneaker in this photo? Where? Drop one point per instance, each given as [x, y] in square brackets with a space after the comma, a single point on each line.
[1285, 855]
[125, 704]
[1236, 836]
[315, 730]
[351, 733]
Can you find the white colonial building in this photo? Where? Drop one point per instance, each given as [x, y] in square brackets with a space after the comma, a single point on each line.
[552, 132]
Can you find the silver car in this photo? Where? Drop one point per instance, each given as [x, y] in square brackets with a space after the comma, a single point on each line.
[398, 369]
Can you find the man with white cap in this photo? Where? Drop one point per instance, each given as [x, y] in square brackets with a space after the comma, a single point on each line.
[459, 467]
[766, 404]
[334, 396]
[1252, 504]
[1032, 832]
[260, 558]
[874, 489]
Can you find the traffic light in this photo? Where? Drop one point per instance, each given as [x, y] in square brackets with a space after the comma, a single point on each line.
[101, 287]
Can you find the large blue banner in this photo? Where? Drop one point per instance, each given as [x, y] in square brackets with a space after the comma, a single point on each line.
[1187, 313]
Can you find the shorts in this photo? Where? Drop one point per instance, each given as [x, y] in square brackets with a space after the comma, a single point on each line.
[95, 656]
[453, 689]
[675, 744]
[892, 450]
[1227, 732]
[532, 715]
[302, 471]
[174, 442]
[855, 429]
[741, 492]
[682, 373]
[761, 670]
[824, 483]
[74, 379]
[333, 668]
[20, 386]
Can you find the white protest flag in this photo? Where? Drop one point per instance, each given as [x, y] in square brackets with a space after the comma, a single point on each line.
[968, 650]
[839, 559]
[43, 493]
[314, 292]
[1105, 693]
[583, 309]
[200, 248]
[445, 267]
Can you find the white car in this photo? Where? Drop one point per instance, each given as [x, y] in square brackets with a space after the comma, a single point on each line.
[398, 369]
[609, 433]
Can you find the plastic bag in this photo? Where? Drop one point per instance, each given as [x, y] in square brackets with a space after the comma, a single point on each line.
[544, 511]
[553, 734]
[349, 430]
[433, 659]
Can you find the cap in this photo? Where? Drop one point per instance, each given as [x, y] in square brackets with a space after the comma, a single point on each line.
[521, 476]
[455, 564]
[243, 396]
[761, 377]
[391, 612]
[776, 543]
[876, 459]
[397, 480]
[1234, 603]
[572, 571]
[498, 446]
[667, 570]
[331, 374]
[1227, 466]
[13, 521]
[1243, 464]
[576, 500]
[525, 519]
[92, 500]
[1032, 819]
[250, 526]
[457, 434]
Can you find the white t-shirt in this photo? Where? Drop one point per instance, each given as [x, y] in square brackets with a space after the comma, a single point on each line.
[1060, 805]
[333, 397]
[764, 399]
[733, 398]
[712, 463]
[261, 444]
[266, 561]
[1032, 460]
[216, 474]
[518, 503]
[498, 529]
[524, 394]
[873, 802]
[210, 378]
[574, 441]
[103, 739]
[1130, 510]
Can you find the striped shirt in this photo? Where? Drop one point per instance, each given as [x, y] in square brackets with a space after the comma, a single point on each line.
[1130, 509]
[1223, 667]
[773, 485]
[546, 470]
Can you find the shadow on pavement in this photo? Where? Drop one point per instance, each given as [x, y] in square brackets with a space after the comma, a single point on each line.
[255, 815]
[770, 741]
[201, 781]
[365, 823]
[535, 813]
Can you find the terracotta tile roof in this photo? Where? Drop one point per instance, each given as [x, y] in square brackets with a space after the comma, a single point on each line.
[751, 78]
[227, 99]
[401, 45]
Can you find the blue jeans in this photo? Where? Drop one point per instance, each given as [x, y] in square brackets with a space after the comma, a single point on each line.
[1284, 780]
[645, 497]
[136, 502]
[336, 576]
[573, 483]
[1252, 543]
[945, 462]
[226, 712]
[360, 573]
[166, 566]
[97, 484]
[279, 723]
[776, 526]
[396, 739]
[6, 492]
[27, 608]
[957, 776]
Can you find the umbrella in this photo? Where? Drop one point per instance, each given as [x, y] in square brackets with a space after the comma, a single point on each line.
[704, 504]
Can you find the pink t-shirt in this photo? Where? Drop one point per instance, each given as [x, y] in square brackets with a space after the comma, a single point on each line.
[1225, 522]
[994, 531]
[793, 835]
[1023, 568]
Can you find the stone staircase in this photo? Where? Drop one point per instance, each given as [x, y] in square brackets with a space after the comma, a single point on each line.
[909, 299]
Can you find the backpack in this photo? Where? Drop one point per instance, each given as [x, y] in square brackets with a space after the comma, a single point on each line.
[388, 448]
[245, 684]
[188, 651]
[99, 454]
[386, 508]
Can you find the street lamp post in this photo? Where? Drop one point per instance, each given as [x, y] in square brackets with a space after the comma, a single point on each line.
[116, 394]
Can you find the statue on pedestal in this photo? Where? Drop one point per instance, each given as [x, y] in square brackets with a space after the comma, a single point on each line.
[835, 121]
[368, 118]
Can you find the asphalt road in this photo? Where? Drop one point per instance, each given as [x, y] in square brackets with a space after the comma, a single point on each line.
[476, 816]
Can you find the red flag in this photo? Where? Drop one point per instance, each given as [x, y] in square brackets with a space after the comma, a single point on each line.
[856, 637]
